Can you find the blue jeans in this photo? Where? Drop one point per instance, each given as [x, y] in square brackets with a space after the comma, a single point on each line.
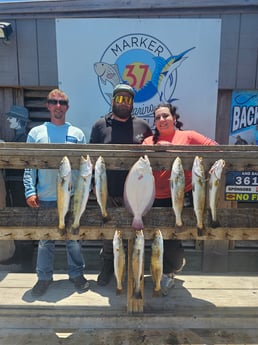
[46, 252]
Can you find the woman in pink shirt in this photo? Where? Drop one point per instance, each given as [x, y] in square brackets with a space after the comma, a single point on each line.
[168, 132]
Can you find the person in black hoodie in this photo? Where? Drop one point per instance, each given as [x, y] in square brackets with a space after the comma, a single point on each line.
[119, 126]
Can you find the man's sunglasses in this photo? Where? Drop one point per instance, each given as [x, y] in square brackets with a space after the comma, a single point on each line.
[123, 99]
[55, 102]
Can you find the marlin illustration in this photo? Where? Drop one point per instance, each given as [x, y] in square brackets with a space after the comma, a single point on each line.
[164, 76]
[163, 80]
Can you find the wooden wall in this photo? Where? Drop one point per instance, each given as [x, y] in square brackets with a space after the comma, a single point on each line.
[29, 59]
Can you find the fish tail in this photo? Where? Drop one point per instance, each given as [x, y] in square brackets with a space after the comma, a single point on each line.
[75, 230]
[201, 231]
[215, 224]
[137, 223]
[119, 291]
[156, 293]
[106, 218]
[180, 228]
[62, 230]
[137, 294]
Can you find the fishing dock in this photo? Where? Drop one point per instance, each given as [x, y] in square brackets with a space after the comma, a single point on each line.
[200, 309]
[210, 305]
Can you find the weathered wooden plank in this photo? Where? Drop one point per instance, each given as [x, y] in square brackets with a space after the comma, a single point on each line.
[25, 223]
[77, 7]
[46, 33]
[9, 66]
[122, 157]
[231, 24]
[199, 303]
[247, 62]
[224, 106]
[133, 305]
[95, 233]
[135, 336]
[28, 54]
[121, 218]
[215, 251]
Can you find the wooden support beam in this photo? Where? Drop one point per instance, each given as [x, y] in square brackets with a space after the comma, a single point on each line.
[94, 233]
[122, 157]
[23, 223]
[133, 305]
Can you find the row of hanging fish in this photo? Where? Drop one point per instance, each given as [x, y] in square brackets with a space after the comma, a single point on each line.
[199, 190]
[139, 190]
[156, 263]
[199, 180]
[81, 192]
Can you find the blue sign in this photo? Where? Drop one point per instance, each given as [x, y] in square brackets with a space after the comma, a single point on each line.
[241, 186]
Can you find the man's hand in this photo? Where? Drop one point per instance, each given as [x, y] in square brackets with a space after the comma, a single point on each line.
[33, 201]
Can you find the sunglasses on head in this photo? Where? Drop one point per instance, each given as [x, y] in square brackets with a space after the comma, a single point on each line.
[55, 102]
[123, 99]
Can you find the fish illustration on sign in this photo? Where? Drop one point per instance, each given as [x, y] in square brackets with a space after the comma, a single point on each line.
[107, 72]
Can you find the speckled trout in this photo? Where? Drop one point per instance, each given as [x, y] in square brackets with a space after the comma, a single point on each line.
[156, 265]
[199, 190]
[81, 192]
[177, 185]
[215, 174]
[101, 187]
[139, 191]
[119, 261]
[64, 187]
[137, 263]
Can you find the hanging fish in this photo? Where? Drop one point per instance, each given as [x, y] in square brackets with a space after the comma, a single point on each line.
[139, 191]
[198, 190]
[81, 193]
[156, 266]
[119, 261]
[137, 264]
[215, 173]
[101, 187]
[177, 185]
[64, 188]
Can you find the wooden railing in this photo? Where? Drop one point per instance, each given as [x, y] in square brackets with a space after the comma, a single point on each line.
[25, 223]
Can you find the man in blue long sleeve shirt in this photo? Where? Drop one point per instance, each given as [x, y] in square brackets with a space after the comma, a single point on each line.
[40, 191]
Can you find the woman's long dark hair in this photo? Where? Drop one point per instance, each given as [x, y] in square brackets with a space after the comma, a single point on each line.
[178, 124]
